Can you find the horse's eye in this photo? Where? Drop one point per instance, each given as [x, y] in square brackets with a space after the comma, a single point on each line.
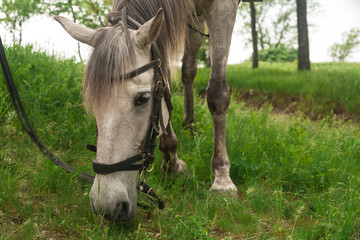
[142, 98]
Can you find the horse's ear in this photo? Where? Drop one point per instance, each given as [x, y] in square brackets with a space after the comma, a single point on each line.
[149, 32]
[80, 33]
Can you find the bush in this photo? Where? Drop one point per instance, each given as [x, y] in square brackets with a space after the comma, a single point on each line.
[280, 54]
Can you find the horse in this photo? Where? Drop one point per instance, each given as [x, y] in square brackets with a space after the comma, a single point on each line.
[142, 40]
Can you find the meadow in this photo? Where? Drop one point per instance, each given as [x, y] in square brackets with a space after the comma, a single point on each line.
[297, 178]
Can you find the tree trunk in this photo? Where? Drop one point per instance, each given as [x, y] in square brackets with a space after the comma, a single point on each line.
[255, 59]
[303, 36]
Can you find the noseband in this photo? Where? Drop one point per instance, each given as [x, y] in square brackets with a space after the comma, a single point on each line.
[145, 158]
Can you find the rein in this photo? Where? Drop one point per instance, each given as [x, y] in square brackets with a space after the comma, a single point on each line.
[138, 162]
[20, 111]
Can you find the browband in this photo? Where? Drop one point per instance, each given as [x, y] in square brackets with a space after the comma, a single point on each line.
[138, 71]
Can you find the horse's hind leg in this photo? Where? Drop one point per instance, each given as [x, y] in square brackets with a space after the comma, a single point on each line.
[220, 20]
[189, 69]
[168, 147]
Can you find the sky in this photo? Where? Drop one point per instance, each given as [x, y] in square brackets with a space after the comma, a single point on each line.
[333, 18]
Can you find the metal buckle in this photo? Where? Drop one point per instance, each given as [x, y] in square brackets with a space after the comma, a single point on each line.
[151, 169]
[143, 157]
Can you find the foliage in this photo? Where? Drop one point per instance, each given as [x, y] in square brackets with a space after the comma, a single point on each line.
[16, 13]
[351, 40]
[297, 179]
[274, 24]
[280, 54]
[90, 13]
[203, 56]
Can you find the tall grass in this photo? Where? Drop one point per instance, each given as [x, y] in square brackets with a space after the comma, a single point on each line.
[296, 178]
[50, 90]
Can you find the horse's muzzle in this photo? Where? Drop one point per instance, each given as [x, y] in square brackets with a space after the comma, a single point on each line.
[120, 212]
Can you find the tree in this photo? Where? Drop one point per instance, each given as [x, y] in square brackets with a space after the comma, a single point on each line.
[275, 23]
[255, 55]
[351, 40]
[16, 13]
[303, 36]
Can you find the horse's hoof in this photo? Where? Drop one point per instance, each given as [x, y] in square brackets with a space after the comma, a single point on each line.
[175, 168]
[188, 121]
[228, 189]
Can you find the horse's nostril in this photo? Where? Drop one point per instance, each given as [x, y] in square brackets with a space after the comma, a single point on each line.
[121, 211]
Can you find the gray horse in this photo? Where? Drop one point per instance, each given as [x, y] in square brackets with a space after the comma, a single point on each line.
[122, 107]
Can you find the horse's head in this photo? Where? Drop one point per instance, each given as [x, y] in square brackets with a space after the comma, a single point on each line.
[122, 108]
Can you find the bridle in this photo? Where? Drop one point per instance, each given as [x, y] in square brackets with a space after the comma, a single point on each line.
[145, 158]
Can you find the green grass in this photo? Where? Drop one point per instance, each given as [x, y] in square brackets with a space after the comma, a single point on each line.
[297, 178]
[326, 84]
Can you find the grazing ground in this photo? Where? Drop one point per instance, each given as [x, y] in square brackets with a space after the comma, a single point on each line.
[330, 88]
[297, 178]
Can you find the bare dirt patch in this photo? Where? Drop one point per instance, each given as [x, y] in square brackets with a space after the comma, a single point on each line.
[292, 104]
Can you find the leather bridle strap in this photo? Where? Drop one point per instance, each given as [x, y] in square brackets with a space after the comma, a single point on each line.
[149, 144]
[127, 165]
[146, 67]
[150, 192]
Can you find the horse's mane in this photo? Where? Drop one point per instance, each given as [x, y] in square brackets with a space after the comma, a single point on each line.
[113, 54]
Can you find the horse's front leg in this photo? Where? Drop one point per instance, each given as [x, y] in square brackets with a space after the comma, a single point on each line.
[168, 143]
[168, 147]
[220, 20]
